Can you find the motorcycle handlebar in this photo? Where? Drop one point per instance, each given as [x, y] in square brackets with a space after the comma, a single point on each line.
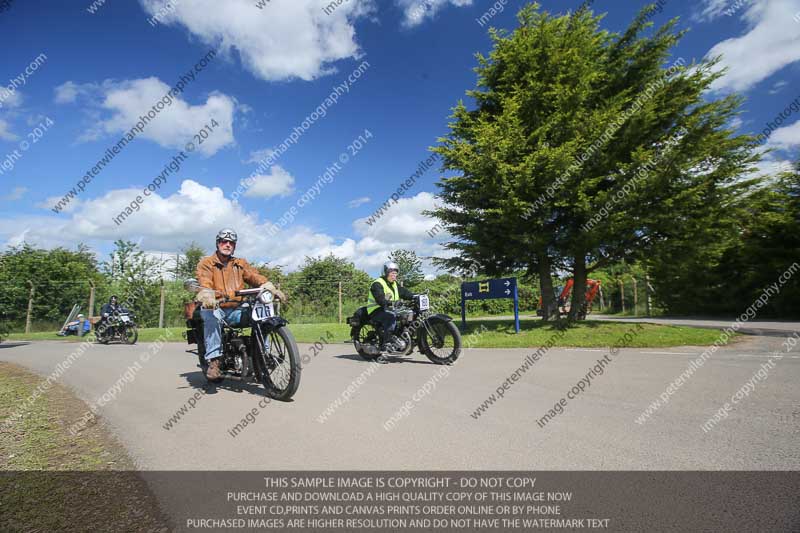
[245, 292]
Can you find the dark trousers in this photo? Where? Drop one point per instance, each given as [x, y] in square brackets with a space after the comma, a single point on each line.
[387, 321]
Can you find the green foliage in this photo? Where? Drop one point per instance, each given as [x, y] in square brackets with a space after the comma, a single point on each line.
[568, 117]
[315, 286]
[187, 265]
[732, 265]
[410, 267]
[61, 278]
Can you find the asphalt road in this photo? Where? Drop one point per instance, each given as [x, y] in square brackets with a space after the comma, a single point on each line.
[597, 431]
[775, 328]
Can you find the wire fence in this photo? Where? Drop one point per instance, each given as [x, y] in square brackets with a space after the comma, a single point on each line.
[43, 305]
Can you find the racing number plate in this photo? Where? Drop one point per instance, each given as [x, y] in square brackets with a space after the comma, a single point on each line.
[262, 312]
[424, 305]
[124, 318]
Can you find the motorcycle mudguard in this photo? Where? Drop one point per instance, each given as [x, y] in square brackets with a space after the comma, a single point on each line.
[274, 322]
[443, 318]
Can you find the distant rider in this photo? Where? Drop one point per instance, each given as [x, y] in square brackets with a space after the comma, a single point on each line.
[107, 311]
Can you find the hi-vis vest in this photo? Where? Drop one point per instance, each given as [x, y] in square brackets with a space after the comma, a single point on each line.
[391, 293]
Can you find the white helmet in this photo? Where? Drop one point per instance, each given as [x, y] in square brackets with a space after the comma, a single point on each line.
[389, 266]
[227, 234]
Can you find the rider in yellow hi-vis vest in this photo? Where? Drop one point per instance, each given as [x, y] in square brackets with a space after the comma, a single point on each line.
[383, 292]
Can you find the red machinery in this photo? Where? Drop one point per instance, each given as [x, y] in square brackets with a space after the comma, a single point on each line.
[564, 299]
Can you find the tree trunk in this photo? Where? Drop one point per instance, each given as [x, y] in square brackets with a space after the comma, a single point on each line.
[578, 306]
[549, 303]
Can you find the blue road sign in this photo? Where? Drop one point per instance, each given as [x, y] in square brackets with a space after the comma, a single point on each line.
[489, 289]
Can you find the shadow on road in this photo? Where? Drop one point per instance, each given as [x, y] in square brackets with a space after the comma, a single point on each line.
[13, 344]
[197, 380]
[390, 358]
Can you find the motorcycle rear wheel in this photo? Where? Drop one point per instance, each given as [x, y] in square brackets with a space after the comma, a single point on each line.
[278, 369]
[366, 335]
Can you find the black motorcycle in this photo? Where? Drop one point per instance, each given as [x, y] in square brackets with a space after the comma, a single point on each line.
[435, 335]
[267, 354]
[120, 327]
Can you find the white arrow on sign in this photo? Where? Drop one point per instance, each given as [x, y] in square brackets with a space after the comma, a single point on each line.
[508, 283]
[508, 291]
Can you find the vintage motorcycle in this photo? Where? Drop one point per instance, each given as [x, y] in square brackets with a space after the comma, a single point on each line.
[435, 335]
[120, 327]
[267, 353]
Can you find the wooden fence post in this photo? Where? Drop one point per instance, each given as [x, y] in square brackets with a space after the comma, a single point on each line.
[161, 308]
[340, 302]
[91, 300]
[30, 308]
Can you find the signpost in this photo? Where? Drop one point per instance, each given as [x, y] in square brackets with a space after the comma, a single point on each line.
[489, 290]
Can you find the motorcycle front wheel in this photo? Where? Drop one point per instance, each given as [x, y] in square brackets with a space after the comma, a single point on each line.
[130, 335]
[277, 362]
[440, 341]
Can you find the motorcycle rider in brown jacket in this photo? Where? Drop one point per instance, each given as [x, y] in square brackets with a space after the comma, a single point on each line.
[220, 275]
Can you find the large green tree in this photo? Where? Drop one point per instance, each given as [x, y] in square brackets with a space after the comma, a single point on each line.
[571, 121]
[734, 264]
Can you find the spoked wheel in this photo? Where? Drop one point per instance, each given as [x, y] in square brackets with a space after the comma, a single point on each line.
[277, 362]
[131, 335]
[440, 341]
[367, 336]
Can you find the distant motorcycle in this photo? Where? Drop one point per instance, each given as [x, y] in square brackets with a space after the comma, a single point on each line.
[120, 327]
[268, 354]
[435, 335]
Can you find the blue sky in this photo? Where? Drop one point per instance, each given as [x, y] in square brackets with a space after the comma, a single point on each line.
[97, 72]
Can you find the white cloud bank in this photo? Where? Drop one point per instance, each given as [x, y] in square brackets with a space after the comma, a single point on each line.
[174, 126]
[770, 43]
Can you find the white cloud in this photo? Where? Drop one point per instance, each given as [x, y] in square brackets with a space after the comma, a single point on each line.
[712, 9]
[68, 92]
[10, 99]
[286, 39]
[416, 11]
[258, 155]
[352, 204]
[403, 226]
[50, 201]
[5, 131]
[786, 138]
[277, 183]
[16, 194]
[778, 86]
[196, 212]
[770, 43]
[174, 126]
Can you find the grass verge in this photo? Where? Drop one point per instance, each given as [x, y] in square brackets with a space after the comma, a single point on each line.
[498, 334]
[51, 480]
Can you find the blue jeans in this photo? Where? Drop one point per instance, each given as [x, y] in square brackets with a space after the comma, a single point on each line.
[212, 328]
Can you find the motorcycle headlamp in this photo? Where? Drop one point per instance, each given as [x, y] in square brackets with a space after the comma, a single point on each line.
[265, 297]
